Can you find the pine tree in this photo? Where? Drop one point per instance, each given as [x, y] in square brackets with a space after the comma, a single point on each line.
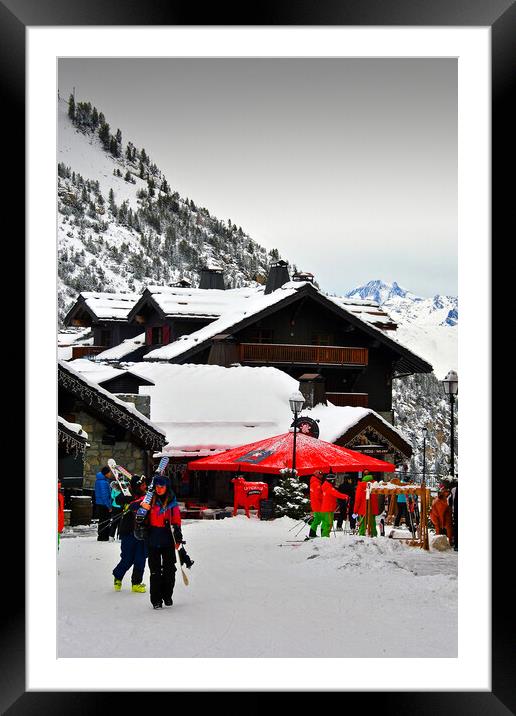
[71, 107]
[95, 118]
[119, 136]
[104, 135]
[290, 500]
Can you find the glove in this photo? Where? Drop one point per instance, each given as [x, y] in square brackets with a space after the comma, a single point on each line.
[354, 516]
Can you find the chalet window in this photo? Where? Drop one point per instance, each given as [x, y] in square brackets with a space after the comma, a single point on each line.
[261, 335]
[157, 335]
[322, 339]
[105, 338]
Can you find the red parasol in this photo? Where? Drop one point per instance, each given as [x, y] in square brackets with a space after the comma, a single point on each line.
[274, 454]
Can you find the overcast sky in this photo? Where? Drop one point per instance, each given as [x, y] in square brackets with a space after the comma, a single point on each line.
[347, 166]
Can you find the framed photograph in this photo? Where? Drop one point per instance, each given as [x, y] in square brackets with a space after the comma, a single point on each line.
[357, 71]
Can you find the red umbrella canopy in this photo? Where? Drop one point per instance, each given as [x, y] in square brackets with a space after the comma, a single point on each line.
[274, 454]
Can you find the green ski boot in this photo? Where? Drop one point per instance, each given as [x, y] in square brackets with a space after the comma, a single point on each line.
[138, 588]
[118, 585]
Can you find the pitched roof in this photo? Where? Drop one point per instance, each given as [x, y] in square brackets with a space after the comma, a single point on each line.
[362, 314]
[179, 302]
[103, 306]
[105, 403]
[205, 409]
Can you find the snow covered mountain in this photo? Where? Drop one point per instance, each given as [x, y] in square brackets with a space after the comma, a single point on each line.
[428, 326]
[121, 226]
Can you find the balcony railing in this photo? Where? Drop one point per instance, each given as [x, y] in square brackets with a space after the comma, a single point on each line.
[86, 351]
[305, 355]
[354, 400]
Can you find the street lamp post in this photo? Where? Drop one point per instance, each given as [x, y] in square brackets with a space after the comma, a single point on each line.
[451, 388]
[425, 433]
[296, 400]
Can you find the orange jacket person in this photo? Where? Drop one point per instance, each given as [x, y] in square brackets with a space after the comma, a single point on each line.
[360, 507]
[440, 515]
[329, 503]
[316, 482]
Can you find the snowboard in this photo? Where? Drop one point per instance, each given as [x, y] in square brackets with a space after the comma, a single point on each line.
[121, 475]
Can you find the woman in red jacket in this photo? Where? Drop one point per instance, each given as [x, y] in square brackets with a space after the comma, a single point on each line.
[329, 503]
[163, 519]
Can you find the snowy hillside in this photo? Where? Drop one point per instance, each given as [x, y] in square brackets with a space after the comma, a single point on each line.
[121, 226]
[429, 327]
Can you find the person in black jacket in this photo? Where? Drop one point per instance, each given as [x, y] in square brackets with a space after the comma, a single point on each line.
[133, 552]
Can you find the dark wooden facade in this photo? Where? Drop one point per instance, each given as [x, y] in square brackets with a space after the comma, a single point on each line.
[106, 333]
[308, 333]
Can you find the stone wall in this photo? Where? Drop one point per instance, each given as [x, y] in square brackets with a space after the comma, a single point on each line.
[140, 402]
[124, 452]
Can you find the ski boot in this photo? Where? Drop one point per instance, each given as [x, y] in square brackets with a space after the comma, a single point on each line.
[118, 584]
[158, 605]
[138, 588]
[168, 602]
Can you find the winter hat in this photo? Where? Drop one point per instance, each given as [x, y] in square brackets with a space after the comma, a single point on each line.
[161, 480]
[367, 478]
[136, 481]
[105, 470]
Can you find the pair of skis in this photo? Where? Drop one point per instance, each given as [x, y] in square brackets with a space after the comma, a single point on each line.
[122, 477]
[141, 512]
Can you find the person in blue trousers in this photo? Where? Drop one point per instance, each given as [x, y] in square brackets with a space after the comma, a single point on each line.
[133, 552]
[103, 503]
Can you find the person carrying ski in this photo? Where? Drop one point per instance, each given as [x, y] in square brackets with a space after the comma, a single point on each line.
[164, 537]
[329, 503]
[440, 514]
[316, 482]
[117, 500]
[360, 506]
[103, 503]
[133, 552]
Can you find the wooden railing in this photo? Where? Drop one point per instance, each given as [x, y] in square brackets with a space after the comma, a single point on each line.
[305, 355]
[354, 400]
[85, 351]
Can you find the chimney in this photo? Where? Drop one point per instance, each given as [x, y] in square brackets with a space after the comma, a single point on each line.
[278, 275]
[313, 387]
[212, 278]
[303, 276]
[182, 283]
[224, 351]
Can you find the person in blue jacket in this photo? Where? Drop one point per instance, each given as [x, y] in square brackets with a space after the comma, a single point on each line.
[103, 503]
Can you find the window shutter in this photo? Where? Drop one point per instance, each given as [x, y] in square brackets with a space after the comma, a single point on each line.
[148, 336]
[166, 335]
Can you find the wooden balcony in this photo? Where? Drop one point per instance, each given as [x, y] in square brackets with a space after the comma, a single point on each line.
[86, 351]
[354, 400]
[279, 353]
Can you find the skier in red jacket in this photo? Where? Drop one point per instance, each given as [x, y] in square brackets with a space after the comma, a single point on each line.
[329, 503]
[360, 507]
[164, 537]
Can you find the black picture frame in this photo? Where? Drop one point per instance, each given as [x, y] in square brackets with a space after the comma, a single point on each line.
[500, 16]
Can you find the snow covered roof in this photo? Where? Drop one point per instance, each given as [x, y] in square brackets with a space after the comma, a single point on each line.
[98, 373]
[73, 427]
[105, 402]
[206, 409]
[250, 308]
[104, 306]
[176, 302]
[245, 307]
[128, 346]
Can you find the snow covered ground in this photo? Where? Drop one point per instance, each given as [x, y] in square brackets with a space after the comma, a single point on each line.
[345, 596]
